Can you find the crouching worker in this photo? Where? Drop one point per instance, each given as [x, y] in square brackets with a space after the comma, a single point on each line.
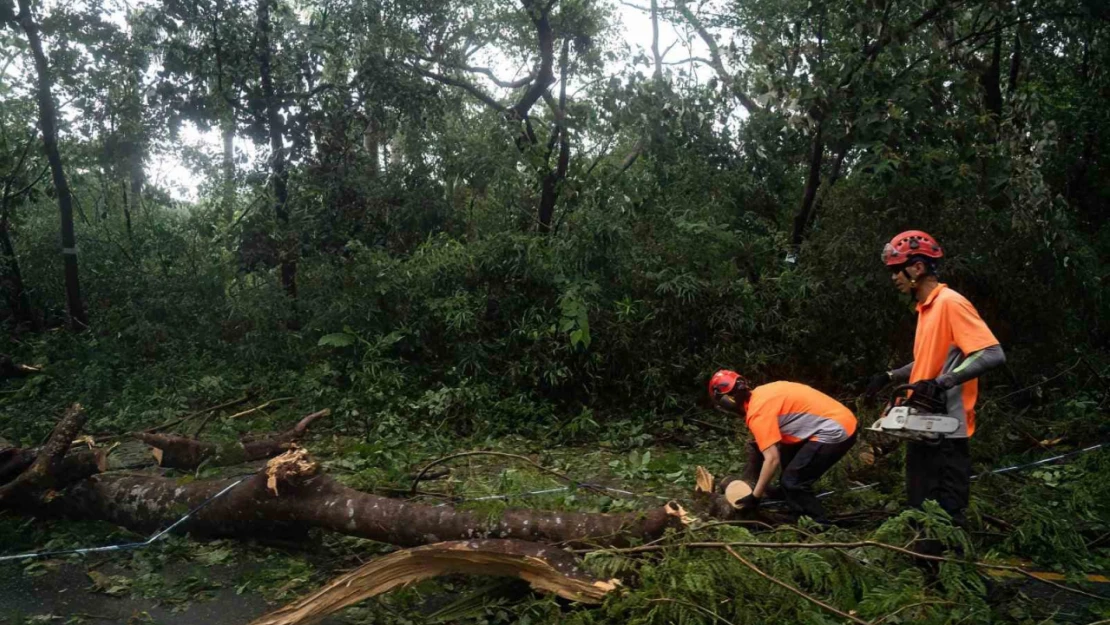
[796, 428]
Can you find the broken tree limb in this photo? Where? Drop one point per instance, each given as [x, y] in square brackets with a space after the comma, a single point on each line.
[180, 452]
[546, 568]
[11, 369]
[49, 464]
[292, 494]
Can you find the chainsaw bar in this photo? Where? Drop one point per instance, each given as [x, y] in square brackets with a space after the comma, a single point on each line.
[906, 422]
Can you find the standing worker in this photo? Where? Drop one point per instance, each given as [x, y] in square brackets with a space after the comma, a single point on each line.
[951, 349]
[797, 428]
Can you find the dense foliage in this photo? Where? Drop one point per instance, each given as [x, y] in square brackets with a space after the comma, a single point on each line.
[446, 255]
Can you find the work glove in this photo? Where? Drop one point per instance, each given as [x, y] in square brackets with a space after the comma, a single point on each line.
[876, 384]
[750, 502]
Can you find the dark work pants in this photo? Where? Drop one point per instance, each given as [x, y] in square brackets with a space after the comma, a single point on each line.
[941, 472]
[802, 465]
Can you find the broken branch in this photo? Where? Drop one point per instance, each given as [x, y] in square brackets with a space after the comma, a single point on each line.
[546, 568]
[47, 467]
[263, 406]
[179, 452]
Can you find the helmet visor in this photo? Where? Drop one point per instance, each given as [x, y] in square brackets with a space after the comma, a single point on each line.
[890, 255]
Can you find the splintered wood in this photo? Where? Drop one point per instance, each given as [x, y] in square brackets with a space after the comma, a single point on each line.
[291, 464]
[546, 568]
[703, 480]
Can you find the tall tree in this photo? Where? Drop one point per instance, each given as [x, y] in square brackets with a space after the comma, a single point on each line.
[279, 176]
[48, 125]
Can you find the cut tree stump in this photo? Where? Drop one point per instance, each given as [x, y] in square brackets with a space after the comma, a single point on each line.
[546, 568]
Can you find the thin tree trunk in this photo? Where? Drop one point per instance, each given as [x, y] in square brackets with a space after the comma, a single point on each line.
[127, 210]
[134, 126]
[371, 142]
[813, 181]
[17, 294]
[279, 175]
[227, 129]
[48, 123]
[1015, 63]
[655, 40]
[18, 300]
[834, 175]
[991, 79]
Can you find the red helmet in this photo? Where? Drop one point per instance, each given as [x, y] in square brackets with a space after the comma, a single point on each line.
[727, 388]
[910, 243]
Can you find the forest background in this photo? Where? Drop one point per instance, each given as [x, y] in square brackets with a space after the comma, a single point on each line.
[496, 224]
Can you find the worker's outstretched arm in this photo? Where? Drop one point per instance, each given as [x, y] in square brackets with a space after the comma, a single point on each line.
[771, 463]
[975, 365]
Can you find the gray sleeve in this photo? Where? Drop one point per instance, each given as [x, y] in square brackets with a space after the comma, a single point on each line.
[975, 365]
[901, 374]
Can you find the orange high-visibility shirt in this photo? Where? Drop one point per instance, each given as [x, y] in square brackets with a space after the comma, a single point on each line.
[949, 329]
[791, 412]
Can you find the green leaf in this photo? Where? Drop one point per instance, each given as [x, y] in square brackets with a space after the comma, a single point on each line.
[338, 339]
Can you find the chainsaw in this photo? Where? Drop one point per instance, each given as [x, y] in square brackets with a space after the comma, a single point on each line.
[915, 416]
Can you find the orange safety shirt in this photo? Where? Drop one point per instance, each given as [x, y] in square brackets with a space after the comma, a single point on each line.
[791, 412]
[949, 329]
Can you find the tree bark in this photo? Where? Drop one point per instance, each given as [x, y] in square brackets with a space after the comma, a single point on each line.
[834, 175]
[545, 74]
[227, 198]
[1015, 63]
[135, 146]
[49, 467]
[549, 192]
[371, 142]
[991, 79]
[292, 495]
[813, 181]
[16, 293]
[48, 124]
[179, 452]
[655, 40]
[279, 176]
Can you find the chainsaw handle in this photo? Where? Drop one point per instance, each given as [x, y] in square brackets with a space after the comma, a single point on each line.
[894, 393]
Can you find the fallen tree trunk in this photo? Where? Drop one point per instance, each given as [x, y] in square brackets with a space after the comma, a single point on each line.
[293, 495]
[546, 568]
[179, 452]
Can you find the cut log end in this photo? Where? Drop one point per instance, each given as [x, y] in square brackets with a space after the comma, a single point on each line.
[546, 568]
